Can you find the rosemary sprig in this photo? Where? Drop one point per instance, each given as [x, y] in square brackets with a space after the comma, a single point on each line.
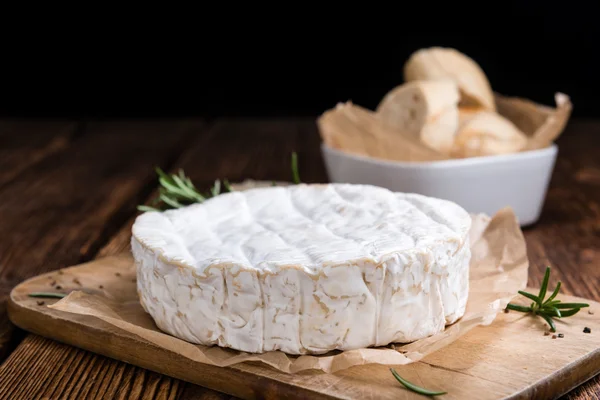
[177, 190]
[47, 294]
[413, 387]
[549, 308]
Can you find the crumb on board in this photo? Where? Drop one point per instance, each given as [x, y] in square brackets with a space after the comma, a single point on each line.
[591, 312]
[40, 302]
[561, 335]
[76, 281]
[100, 287]
[554, 336]
[506, 310]
[546, 333]
[117, 274]
[587, 330]
[58, 287]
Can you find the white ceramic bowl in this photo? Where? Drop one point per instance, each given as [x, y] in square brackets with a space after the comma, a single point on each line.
[478, 184]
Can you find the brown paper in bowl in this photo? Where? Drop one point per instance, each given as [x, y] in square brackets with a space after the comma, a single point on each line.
[542, 124]
[354, 129]
[498, 270]
[351, 128]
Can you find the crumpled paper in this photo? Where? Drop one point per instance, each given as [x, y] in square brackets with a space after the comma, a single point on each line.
[498, 270]
[542, 124]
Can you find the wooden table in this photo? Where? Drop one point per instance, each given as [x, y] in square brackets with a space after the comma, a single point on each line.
[69, 190]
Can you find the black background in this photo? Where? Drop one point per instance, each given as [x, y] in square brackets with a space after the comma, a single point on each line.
[284, 67]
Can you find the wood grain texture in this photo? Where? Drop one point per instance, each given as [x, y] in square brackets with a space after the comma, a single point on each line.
[479, 365]
[256, 149]
[203, 162]
[81, 375]
[62, 209]
[24, 143]
[243, 149]
[260, 149]
[567, 236]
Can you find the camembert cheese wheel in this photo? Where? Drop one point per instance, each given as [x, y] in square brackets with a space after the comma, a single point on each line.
[304, 269]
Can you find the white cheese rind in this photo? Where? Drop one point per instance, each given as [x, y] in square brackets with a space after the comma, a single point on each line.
[304, 269]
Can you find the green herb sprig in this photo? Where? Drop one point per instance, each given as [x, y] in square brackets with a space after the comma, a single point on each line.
[295, 174]
[177, 190]
[413, 387]
[549, 308]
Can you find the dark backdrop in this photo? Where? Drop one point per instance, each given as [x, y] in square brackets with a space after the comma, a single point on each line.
[301, 68]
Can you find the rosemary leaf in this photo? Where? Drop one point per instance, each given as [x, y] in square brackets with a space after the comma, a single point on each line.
[161, 173]
[551, 303]
[180, 186]
[295, 174]
[549, 320]
[216, 189]
[173, 189]
[518, 308]
[227, 186]
[553, 295]
[146, 208]
[530, 296]
[413, 387]
[47, 294]
[568, 313]
[172, 202]
[544, 287]
[571, 305]
[188, 188]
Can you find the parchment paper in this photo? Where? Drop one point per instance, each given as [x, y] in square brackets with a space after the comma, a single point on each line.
[354, 129]
[542, 124]
[498, 270]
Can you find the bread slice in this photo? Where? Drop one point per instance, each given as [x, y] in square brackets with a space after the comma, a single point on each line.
[487, 133]
[440, 62]
[465, 113]
[426, 110]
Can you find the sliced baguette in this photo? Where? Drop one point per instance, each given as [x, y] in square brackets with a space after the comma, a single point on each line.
[466, 113]
[440, 62]
[486, 133]
[426, 110]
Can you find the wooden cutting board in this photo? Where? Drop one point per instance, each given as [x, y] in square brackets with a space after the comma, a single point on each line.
[512, 358]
